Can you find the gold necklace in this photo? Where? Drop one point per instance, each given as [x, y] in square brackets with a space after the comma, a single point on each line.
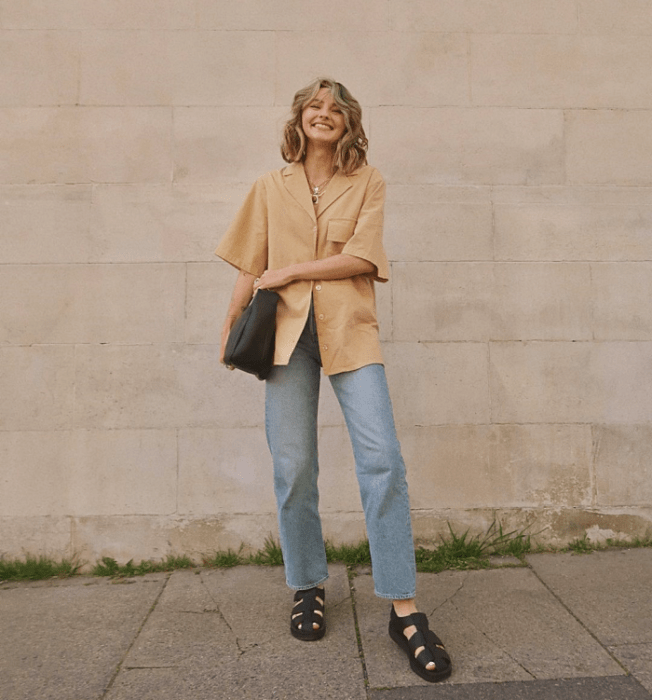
[317, 192]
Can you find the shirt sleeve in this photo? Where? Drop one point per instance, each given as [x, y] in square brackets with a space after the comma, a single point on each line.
[367, 239]
[244, 245]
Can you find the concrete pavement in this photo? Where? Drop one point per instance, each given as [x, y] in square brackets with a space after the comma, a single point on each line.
[564, 627]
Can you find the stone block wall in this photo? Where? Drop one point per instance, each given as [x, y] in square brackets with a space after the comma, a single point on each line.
[516, 140]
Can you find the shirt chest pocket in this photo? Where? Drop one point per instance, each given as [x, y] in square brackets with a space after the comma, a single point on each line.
[340, 230]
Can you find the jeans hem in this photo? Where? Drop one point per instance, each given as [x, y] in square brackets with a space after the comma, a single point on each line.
[400, 596]
[307, 588]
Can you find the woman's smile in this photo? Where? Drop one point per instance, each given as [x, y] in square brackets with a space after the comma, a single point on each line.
[322, 119]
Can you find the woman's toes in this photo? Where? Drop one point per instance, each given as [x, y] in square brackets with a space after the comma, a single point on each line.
[315, 625]
[408, 632]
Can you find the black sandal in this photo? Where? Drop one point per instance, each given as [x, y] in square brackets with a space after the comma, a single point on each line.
[309, 607]
[433, 650]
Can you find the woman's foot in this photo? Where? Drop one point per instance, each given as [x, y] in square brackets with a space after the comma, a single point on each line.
[426, 653]
[404, 608]
[307, 622]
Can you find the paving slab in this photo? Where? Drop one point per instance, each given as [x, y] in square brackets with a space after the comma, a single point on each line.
[225, 633]
[619, 688]
[64, 640]
[637, 659]
[610, 592]
[498, 625]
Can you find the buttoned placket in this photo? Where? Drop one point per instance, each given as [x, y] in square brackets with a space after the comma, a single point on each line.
[318, 286]
[321, 317]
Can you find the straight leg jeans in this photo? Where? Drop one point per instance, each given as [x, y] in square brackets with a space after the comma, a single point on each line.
[291, 399]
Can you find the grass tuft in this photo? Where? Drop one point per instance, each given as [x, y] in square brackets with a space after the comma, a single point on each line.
[466, 551]
[37, 568]
[110, 567]
[269, 555]
[582, 545]
[349, 554]
[223, 560]
[636, 543]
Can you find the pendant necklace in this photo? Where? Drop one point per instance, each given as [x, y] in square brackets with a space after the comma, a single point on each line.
[317, 192]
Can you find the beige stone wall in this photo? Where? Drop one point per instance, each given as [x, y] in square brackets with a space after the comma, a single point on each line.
[516, 140]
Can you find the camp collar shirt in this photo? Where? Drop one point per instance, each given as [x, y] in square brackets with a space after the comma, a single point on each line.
[278, 226]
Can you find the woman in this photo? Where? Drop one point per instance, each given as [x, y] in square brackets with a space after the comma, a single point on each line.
[313, 232]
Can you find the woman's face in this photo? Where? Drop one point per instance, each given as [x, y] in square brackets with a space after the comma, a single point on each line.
[322, 119]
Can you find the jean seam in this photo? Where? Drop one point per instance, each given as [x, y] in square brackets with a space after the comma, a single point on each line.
[392, 596]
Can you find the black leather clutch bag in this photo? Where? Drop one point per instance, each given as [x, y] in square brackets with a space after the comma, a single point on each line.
[250, 345]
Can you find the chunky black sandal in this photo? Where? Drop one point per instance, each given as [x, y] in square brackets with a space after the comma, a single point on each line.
[307, 604]
[433, 647]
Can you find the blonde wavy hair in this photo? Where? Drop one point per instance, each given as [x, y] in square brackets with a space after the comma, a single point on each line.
[351, 149]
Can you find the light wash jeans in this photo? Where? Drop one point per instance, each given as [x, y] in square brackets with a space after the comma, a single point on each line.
[291, 398]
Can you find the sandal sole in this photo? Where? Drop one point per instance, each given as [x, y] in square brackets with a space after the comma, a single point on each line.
[307, 636]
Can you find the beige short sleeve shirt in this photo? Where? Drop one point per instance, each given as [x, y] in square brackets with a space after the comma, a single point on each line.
[278, 226]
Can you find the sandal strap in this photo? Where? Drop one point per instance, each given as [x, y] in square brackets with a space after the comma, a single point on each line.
[310, 595]
[403, 622]
[433, 651]
[417, 640]
[308, 607]
[441, 654]
[425, 657]
[420, 621]
[433, 643]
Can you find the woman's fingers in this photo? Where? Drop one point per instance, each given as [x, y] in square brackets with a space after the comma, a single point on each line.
[272, 279]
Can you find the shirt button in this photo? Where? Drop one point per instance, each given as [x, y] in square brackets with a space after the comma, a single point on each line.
[314, 229]
[324, 347]
[321, 317]
[318, 287]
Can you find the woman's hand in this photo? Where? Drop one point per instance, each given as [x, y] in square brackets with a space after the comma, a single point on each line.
[272, 279]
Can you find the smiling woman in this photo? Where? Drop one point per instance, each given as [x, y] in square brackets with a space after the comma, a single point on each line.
[351, 148]
[313, 232]
[322, 120]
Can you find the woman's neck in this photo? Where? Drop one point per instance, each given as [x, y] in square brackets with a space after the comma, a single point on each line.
[318, 164]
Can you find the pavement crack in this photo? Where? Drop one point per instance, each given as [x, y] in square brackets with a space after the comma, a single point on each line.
[450, 597]
[251, 647]
[220, 614]
[358, 636]
[332, 606]
[206, 611]
[133, 641]
[493, 642]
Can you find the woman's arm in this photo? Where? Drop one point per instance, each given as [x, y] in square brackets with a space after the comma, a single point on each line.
[242, 293]
[335, 267]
